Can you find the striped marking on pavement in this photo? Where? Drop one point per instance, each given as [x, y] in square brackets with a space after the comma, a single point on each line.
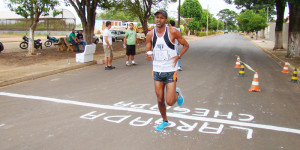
[181, 116]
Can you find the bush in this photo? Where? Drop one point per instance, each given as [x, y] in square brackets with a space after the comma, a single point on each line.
[200, 33]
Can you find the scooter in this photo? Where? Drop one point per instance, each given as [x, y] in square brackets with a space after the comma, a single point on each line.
[37, 43]
[50, 41]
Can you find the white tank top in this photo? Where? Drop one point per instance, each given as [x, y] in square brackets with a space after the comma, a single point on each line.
[163, 51]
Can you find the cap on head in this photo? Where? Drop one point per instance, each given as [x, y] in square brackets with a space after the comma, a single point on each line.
[163, 12]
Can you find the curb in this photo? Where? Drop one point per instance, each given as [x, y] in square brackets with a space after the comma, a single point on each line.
[279, 61]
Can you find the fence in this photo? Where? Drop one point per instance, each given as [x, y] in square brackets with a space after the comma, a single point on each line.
[44, 24]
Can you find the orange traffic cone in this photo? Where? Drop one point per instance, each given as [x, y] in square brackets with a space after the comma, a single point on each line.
[286, 67]
[255, 84]
[237, 63]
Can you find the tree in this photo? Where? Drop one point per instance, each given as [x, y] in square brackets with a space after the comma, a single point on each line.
[86, 11]
[143, 9]
[229, 18]
[255, 5]
[191, 9]
[32, 9]
[294, 29]
[280, 6]
[117, 14]
[250, 21]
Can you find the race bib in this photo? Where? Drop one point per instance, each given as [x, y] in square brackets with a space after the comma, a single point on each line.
[161, 55]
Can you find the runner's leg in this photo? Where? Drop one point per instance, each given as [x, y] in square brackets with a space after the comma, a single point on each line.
[159, 90]
[171, 94]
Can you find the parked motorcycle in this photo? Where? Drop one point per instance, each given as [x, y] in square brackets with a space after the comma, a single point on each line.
[50, 41]
[37, 43]
[1, 47]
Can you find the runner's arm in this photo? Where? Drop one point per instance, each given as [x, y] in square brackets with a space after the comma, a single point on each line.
[149, 45]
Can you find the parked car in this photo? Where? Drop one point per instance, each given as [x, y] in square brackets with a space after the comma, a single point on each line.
[95, 38]
[116, 35]
[226, 32]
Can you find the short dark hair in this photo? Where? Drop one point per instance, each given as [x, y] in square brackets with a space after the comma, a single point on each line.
[131, 24]
[172, 22]
[108, 23]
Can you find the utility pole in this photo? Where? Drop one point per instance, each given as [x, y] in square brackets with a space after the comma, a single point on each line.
[179, 15]
[207, 21]
[267, 14]
[218, 25]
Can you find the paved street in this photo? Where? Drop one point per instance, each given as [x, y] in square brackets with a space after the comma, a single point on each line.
[94, 109]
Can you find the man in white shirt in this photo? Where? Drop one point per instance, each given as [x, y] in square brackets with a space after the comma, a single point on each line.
[107, 46]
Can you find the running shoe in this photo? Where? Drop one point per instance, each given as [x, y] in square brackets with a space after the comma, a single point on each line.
[112, 67]
[180, 98]
[161, 126]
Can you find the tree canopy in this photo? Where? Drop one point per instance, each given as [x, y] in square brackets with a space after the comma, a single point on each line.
[250, 21]
[191, 9]
[229, 18]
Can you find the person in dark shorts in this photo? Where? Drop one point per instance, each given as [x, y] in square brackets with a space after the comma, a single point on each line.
[160, 46]
[130, 41]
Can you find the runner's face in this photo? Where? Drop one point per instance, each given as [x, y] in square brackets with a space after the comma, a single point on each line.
[131, 26]
[160, 20]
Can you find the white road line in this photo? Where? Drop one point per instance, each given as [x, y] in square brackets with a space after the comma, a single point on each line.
[229, 122]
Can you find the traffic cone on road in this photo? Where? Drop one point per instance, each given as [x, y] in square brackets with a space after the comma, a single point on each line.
[255, 84]
[242, 70]
[237, 63]
[294, 77]
[286, 67]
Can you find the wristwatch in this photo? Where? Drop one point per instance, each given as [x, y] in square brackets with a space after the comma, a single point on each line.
[179, 56]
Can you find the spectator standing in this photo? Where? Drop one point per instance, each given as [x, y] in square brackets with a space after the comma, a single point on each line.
[130, 42]
[72, 40]
[172, 23]
[80, 39]
[107, 46]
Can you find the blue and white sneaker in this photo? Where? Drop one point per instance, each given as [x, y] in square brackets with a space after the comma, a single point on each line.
[180, 98]
[161, 126]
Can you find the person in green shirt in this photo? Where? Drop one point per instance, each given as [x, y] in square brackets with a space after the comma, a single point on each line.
[72, 40]
[130, 41]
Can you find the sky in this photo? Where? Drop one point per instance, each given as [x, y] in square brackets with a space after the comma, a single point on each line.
[214, 7]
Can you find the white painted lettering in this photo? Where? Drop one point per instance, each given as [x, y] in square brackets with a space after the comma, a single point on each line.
[138, 122]
[248, 130]
[186, 127]
[217, 113]
[250, 117]
[139, 106]
[123, 104]
[201, 112]
[119, 119]
[155, 107]
[211, 130]
[181, 110]
[91, 115]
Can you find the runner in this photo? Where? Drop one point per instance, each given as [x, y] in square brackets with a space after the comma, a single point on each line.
[172, 23]
[165, 60]
[130, 41]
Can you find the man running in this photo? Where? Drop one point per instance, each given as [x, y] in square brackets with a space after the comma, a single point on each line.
[130, 41]
[165, 60]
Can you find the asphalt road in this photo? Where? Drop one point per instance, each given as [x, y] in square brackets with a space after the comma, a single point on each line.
[94, 109]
